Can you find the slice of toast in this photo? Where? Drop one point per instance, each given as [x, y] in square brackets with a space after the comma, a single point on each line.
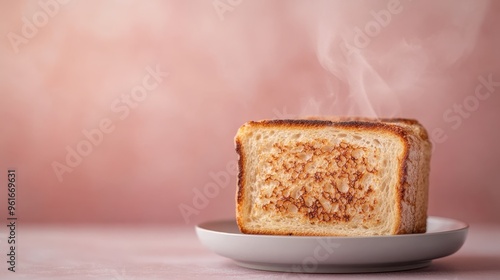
[332, 177]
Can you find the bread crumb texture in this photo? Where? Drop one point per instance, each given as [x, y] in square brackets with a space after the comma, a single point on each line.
[319, 180]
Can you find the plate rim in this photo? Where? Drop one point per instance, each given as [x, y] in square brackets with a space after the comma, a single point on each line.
[462, 226]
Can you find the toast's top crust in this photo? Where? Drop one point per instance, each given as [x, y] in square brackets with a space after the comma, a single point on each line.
[395, 125]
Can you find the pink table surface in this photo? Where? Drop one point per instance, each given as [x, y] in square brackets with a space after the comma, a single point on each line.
[174, 252]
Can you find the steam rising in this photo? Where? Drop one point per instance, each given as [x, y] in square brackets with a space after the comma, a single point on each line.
[370, 56]
[377, 54]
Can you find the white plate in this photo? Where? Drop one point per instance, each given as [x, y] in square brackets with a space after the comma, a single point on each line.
[311, 254]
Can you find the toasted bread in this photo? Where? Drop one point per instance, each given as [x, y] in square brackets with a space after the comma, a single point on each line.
[332, 177]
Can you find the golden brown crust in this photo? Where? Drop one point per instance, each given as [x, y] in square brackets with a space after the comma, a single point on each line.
[394, 126]
[347, 124]
[240, 181]
[274, 232]
[241, 163]
[402, 185]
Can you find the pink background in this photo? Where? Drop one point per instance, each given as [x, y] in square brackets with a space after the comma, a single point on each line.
[229, 63]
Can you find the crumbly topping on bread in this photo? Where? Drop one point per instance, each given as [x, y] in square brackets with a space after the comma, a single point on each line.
[332, 180]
